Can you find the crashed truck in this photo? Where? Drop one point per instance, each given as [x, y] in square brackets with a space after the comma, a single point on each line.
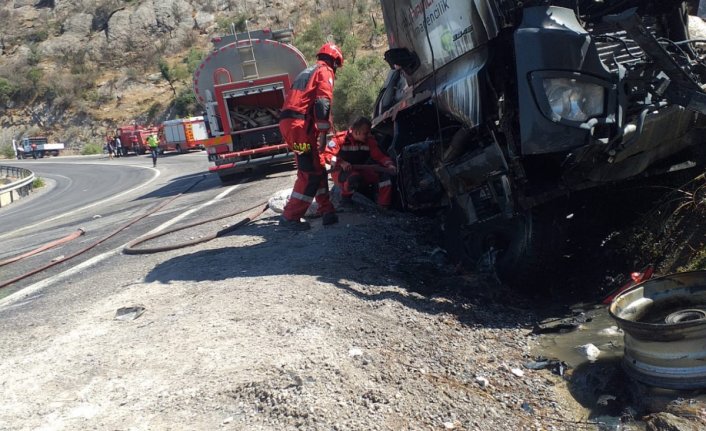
[497, 110]
[241, 85]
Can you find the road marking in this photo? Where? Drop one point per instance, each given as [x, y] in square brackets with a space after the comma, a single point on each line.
[31, 289]
[85, 207]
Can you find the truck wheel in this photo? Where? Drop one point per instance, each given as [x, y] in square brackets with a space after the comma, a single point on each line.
[179, 149]
[521, 251]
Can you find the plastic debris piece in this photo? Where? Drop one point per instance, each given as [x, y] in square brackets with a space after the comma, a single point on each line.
[129, 313]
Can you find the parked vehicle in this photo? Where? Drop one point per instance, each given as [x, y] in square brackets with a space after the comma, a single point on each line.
[242, 85]
[183, 134]
[496, 110]
[133, 137]
[38, 147]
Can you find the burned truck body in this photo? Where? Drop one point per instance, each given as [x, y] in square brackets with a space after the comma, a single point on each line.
[496, 109]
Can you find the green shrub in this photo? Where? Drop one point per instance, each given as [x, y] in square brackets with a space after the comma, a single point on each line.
[91, 148]
[357, 87]
[193, 59]
[7, 90]
[6, 151]
[38, 182]
[185, 104]
[224, 23]
[310, 41]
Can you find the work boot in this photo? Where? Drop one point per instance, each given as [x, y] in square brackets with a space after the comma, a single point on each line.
[295, 225]
[329, 218]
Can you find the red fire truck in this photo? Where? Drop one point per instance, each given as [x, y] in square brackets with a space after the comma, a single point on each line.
[242, 85]
[183, 134]
[133, 137]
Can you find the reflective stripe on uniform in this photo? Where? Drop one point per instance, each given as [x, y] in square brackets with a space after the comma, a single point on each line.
[301, 197]
[355, 148]
[385, 183]
[322, 191]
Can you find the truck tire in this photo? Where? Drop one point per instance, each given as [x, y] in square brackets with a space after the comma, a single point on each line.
[520, 251]
[179, 149]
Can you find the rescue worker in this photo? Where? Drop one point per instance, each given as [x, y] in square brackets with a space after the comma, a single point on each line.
[152, 143]
[357, 146]
[304, 121]
[33, 146]
[118, 147]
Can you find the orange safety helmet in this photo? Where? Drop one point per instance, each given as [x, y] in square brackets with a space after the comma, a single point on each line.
[333, 51]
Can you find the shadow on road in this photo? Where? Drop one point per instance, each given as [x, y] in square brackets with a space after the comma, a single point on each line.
[377, 264]
[201, 181]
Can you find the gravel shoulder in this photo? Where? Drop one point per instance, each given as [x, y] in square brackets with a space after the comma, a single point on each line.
[351, 327]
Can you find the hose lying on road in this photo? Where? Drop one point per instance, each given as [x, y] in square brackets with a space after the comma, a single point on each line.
[130, 248]
[46, 246]
[100, 241]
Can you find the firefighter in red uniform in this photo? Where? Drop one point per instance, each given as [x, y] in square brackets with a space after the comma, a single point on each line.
[356, 147]
[304, 121]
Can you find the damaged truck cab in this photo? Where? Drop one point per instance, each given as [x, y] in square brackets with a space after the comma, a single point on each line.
[495, 109]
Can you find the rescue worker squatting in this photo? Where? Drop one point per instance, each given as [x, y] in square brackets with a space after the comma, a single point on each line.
[355, 147]
[305, 118]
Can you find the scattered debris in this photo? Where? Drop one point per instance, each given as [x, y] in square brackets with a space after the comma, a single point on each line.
[612, 331]
[590, 351]
[554, 365]
[129, 313]
[518, 372]
[483, 382]
[353, 352]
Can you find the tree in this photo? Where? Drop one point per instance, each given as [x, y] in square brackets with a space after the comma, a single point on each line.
[167, 74]
[7, 90]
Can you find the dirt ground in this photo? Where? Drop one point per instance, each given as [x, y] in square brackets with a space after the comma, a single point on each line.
[357, 326]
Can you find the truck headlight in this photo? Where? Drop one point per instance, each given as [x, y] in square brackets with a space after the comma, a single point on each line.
[573, 99]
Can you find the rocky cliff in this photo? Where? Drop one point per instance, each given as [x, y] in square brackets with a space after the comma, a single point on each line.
[74, 69]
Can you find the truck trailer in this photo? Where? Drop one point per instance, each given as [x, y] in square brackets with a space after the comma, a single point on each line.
[241, 85]
[497, 110]
[183, 134]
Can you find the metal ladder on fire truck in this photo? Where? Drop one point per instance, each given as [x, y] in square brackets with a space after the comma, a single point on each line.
[248, 62]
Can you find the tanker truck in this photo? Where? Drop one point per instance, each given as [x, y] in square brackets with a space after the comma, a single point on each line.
[497, 110]
[241, 85]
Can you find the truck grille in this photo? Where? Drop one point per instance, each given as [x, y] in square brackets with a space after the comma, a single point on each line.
[614, 46]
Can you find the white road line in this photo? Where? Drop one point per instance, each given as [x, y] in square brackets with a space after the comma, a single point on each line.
[85, 207]
[33, 288]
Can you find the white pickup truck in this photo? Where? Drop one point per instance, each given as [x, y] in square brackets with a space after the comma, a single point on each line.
[38, 147]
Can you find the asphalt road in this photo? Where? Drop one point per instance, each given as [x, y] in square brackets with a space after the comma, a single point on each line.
[114, 201]
[71, 185]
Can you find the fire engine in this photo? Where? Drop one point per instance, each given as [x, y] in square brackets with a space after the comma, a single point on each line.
[242, 85]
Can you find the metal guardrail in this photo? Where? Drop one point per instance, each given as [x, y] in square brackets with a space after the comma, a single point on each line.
[19, 187]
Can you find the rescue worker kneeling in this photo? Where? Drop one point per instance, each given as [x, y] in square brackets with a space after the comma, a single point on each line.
[347, 151]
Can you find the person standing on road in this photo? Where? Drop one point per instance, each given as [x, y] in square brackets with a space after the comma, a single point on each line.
[304, 121]
[357, 146]
[33, 146]
[118, 147]
[152, 143]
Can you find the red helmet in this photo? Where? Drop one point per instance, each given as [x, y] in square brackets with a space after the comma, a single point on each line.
[333, 51]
